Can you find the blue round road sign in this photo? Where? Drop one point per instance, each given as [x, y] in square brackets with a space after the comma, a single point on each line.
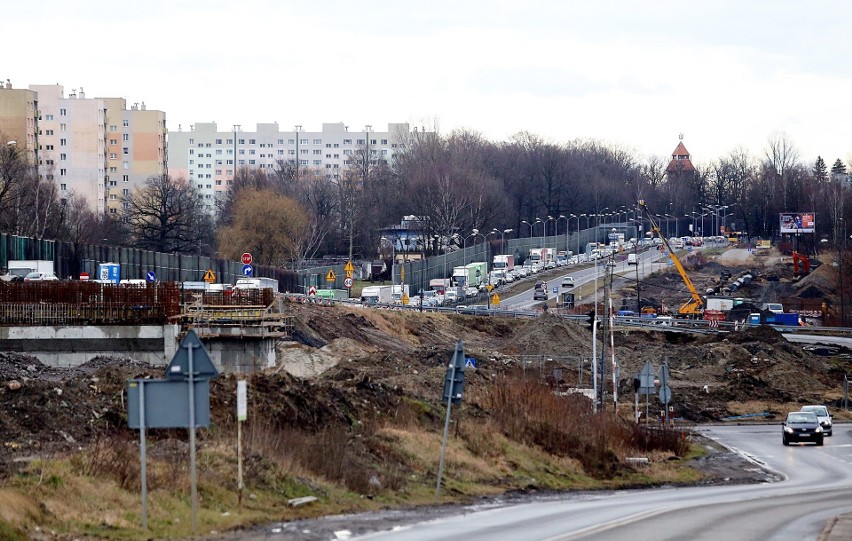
[150, 276]
[247, 270]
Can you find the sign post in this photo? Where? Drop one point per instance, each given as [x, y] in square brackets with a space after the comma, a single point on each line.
[242, 415]
[453, 388]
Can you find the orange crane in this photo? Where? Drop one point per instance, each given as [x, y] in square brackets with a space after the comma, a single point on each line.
[694, 306]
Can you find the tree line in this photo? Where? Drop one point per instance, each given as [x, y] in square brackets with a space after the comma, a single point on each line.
[454, 183]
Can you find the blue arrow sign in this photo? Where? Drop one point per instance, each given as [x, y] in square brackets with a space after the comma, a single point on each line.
[150, 276]
[247, 270]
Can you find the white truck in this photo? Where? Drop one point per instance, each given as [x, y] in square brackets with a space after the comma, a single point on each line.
[257, 283]
[19, 268]
[503, 262]
[440, 285]
[377, 295]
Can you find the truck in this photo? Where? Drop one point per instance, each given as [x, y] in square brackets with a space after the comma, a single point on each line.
[562, 257]
[377, 295]
[257, 283]
[440, 285]
[504, 262]
[18, 268]
[397, 292]
[470, 275]
[541, 256]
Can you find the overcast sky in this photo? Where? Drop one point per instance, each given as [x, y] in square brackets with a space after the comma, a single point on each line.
[724, 73]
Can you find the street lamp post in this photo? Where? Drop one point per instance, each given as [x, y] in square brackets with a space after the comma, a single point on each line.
[561, 216]
[545, 227]
[539, 221]
[578, 235]
[503, 240]
[529, 225]
[393, 259]
[464, 243]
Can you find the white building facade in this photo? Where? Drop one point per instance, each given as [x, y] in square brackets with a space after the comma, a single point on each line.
[209, 158]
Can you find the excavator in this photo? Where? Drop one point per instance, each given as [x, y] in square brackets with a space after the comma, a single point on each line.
[694, 306]
[801, 265]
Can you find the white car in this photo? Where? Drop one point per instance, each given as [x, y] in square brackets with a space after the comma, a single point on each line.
[823, 416]
[40, 277]
[471, 292]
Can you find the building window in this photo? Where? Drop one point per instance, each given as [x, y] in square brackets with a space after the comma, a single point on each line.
[125, 123]
[347, 141]
[317, 162]
[124, 165]
[62, 172]
[317, 141]
[318, 152]
[125, 137]
[63, 156]
[218, 183]
[113, 141]
[346, 153]
[125, 151]
[63, 142]
[63, 112]
[303, 141]
[384, 141]
[303, 151]
[112, 211]
[125, 191]
[64, 187]
[241, 141]
[113, 127]
[125, 178]
[113, 156]
[48, 132]
[252, 141]
[113, 183]
[63, 127]
[218, 141]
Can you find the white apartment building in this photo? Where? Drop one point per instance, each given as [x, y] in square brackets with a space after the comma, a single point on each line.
[209, 158]
[93, 147]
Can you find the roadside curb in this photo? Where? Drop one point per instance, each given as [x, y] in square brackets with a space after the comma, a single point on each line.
[837, 529]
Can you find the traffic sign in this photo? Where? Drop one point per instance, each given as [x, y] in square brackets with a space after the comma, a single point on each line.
[495, 299]
[665, 394]
[347, 282]
[202, 365]
[330, 277]
[248, 270]
[405, 299]
[646, 376]
[246, 258]
[489, 287]
[84, 276]
[209, 276]
[312, 291]
[349, 267]
[151, 276]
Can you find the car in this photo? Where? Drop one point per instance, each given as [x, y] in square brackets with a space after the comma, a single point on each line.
[823, 416]
[40, 277]
[541, 285]
[471, 292]
[610, 263]
[800, 426]
[550, 265]
[632, 259]
[540, 295]
[568, 281]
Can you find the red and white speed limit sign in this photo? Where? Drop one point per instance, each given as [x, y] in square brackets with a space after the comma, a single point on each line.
[347, 283]
[246, 258]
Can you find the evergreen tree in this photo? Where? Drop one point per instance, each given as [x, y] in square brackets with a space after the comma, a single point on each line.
[838, 168]
[820, 171]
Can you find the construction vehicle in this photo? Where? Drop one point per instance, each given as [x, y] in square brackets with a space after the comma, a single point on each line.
[693, 307]
[801, 266]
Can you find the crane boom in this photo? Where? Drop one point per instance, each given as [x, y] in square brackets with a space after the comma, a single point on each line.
[692, 307]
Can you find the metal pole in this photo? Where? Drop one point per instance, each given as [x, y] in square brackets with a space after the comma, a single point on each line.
[192, 471]
[446, 427]
[143, 459]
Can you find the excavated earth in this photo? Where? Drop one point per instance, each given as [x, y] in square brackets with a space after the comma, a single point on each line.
[345, 363]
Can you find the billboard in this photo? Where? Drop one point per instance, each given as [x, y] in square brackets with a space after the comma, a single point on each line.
[797, 222]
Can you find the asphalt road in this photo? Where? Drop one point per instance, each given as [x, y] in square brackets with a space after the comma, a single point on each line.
[817, 486]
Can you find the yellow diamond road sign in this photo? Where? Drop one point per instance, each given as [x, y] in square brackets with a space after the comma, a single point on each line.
[495, 299]
[489, 287]
[349, 267]
[330, 277]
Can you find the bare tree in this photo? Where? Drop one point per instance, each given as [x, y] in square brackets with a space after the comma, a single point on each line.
[166, 215]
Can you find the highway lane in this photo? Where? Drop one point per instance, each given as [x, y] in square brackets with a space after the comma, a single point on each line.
[817, 485]
[648, 263]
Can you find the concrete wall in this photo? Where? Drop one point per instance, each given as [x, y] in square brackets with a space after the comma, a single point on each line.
[75, 345]
[154, 344]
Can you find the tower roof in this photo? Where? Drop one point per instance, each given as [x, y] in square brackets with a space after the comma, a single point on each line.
[680, 161]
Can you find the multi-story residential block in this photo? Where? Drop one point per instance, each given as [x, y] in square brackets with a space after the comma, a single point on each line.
[18, 119]
[136, 149]
[209, 158]
[93, 147]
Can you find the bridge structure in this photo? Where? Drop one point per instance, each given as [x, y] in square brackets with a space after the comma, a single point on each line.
[68, 323]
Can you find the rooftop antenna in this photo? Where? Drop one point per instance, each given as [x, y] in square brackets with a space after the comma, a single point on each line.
[680, 136]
